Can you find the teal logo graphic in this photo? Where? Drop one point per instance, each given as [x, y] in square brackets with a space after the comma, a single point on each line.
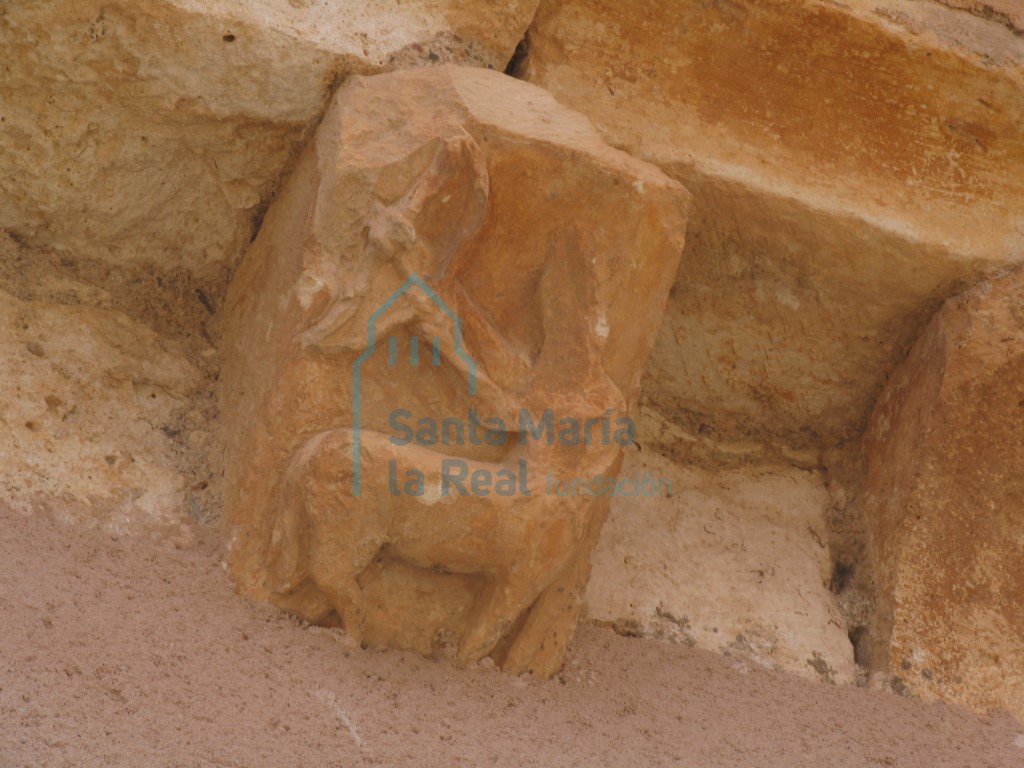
[457, 476]
[414, 281]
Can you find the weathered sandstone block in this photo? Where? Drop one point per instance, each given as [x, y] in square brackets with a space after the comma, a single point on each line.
[734, 561]
[852, 164]
[95, 409]
[455, 260]
[151, 132]
[944, 500]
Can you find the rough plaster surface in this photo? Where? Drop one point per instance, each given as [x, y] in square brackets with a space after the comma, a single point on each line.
[135, 653]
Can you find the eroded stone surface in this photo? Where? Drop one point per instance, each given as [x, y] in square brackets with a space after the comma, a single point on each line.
[943, 501]
[92, 400]
[428, 193]
[152, 132]
[852, 164]
[734, 561]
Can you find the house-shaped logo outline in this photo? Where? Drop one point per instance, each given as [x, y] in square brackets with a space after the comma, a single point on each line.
[414, 280]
